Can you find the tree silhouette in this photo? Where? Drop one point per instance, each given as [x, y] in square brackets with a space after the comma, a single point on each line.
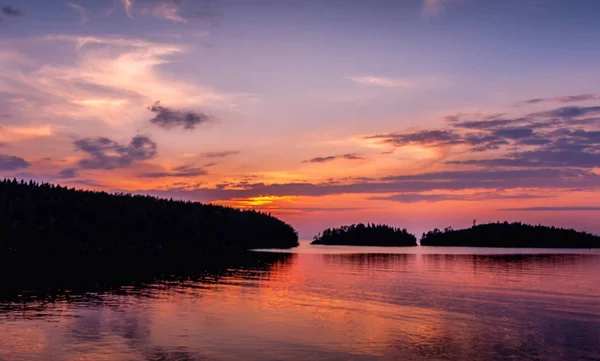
[43, 217]
[511, 235]
[369, 235]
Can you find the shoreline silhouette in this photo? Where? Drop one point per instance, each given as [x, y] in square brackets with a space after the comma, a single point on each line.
[41, 218]
[366, 235]
[510, 235]
[49, 219]
[497, 235]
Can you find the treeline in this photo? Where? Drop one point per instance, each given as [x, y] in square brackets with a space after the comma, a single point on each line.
[44, 218]
[501, 234]
[366, 235]
[509, 235]
[40, 217]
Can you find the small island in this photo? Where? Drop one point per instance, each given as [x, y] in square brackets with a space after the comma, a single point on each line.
[41, 218]
[510, 235]
[379, 235]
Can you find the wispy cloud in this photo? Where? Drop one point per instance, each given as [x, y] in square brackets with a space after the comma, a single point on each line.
[83, 41]
[128, 7]
[348, 156]
[570, 112]
[551, 138]
[184, 171]
[169, 11]
[381, 81]
[437, 137]
[83, 19]
[110, 80]
[561, 100]
[433, 198]
[441, 138]
[425, 81]
[16, 133]
[488, 180]
[222, 154]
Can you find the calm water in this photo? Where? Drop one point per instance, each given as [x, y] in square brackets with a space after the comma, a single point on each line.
[310, 305]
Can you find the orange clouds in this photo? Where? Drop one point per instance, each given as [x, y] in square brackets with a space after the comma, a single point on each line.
[15, 133]
[112, 79]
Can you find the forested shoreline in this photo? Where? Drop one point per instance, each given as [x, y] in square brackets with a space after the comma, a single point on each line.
[45, 218]
[510, 235]
[500, 234]
[379, 235]
[49, 219]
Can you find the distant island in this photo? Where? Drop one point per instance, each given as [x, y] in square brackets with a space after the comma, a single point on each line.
[50, 219]
[366, 235]
[511, 235]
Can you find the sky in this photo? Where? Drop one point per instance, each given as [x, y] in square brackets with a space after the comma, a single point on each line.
[414, 113]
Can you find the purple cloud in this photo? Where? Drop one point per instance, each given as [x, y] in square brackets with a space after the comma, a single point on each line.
[104, 153]
[182, 171]
[432, 198]
[427, 137]
[563, 99]
[222, 154]
[569, 112]
[68, 173]
[168, 118]
[513, 133]
[426, 182]
[348, 156]
[10, 162]
[10, 11]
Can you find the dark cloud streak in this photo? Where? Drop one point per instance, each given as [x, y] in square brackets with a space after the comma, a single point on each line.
[347, 156]
[563, 99]
[10, 162]
[104, 153]
[179, 172]
[10, 11]
[222, 154]
[427, 137]
[568, 112]
[433, 198]
[169, 118]
[513, 133]
[540, 158]
[426, 182]
[68, 173]
[552, 138]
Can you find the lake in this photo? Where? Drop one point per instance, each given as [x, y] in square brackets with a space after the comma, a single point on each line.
[319, 303]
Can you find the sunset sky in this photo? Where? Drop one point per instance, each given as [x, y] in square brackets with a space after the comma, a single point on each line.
[416, 113]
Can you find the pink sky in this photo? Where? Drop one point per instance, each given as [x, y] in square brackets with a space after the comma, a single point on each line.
[419, 114]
